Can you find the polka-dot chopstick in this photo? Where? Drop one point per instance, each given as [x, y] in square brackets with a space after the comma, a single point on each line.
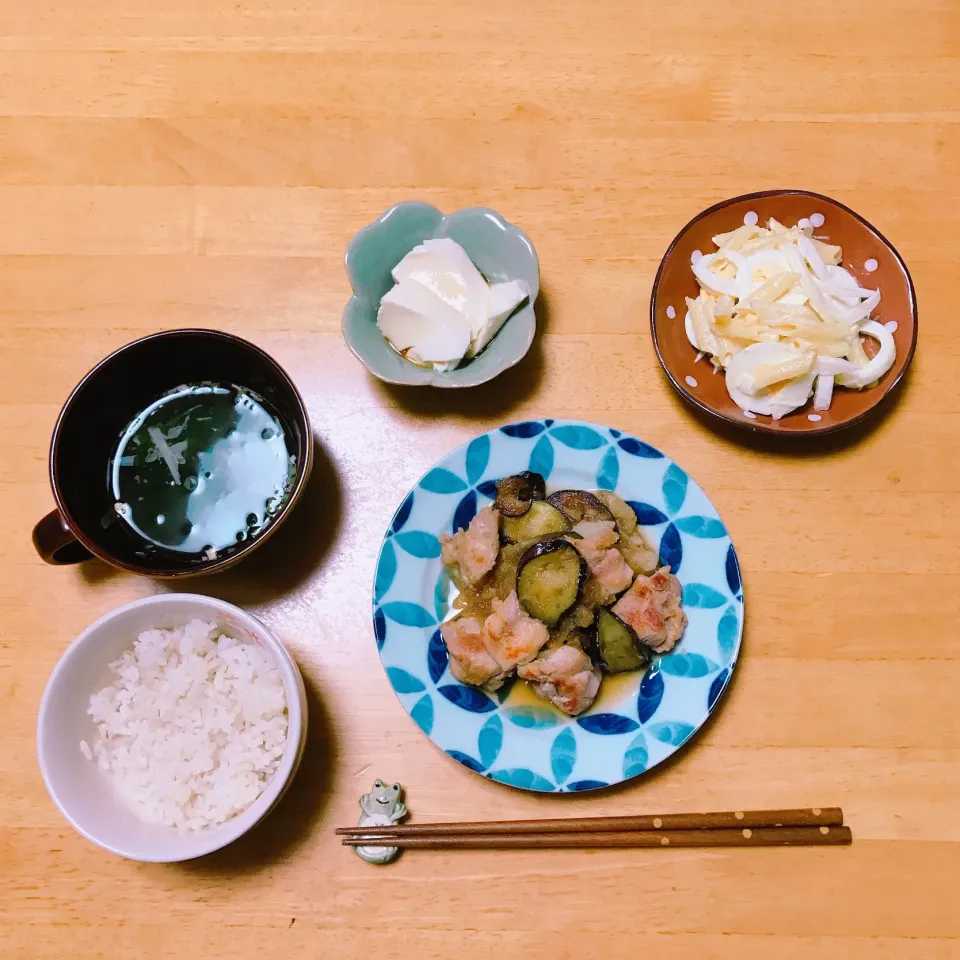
[807, 826]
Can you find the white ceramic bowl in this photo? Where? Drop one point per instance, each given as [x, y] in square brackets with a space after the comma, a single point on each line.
[81, 790]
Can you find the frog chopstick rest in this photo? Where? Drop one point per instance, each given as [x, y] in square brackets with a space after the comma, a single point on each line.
[381, 807]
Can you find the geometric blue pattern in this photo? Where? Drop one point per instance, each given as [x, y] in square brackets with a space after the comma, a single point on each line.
[511, 737]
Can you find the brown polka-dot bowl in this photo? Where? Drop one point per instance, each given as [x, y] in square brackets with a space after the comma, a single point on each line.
[867, 254]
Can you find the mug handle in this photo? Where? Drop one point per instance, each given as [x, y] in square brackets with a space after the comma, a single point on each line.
[55, 542]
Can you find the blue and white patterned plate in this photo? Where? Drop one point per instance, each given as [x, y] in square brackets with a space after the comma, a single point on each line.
[510, 736]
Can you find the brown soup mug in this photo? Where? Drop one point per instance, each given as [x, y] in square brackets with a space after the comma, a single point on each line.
[104, 403]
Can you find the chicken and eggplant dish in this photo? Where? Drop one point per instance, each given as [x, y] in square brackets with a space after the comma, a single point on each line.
[559, 590]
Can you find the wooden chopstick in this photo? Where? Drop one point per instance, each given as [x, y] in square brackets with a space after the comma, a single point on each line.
[747, 837]
[752, 819]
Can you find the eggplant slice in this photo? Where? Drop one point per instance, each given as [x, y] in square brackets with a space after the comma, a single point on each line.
[620, 510]
[540, 520]
[618, 646]
[550, 578]
[515, 494]
[579, 505]
[568, 633]
[588, 644]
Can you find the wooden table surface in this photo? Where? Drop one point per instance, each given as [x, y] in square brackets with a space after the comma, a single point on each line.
[182, 163]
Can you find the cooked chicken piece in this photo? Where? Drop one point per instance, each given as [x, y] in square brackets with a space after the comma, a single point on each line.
[485, 656]
[512, 636]
[470, 661]
[634, 548]
[603, 531]
[565, 676]
[611, 571]
[652, 607]
[470, 554]
[606, 563]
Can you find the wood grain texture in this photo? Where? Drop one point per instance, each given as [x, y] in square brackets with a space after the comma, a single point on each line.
[182, 163]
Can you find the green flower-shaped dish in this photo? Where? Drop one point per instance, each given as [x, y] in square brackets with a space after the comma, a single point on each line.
[501, 252]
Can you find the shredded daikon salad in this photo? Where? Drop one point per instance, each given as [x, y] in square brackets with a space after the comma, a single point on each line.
[779, 314]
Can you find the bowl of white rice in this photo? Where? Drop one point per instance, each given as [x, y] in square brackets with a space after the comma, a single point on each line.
[170, 726]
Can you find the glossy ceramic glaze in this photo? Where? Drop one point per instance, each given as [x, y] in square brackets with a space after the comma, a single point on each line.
[510, 736]
[695, 380]
[500, 251]
[103, 404]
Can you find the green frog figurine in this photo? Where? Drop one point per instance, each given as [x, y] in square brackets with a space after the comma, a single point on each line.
[381, 807]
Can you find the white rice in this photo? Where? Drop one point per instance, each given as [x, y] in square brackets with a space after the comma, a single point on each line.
[193, 728]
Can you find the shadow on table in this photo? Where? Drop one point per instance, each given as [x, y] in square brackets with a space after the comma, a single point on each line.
[283, 563]
[292, 555]
[291, 823]
[494, 399]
